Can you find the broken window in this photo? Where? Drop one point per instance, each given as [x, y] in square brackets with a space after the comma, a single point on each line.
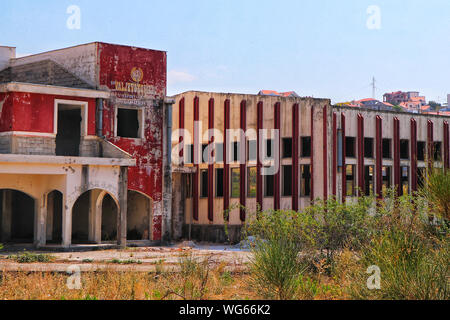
[268, 185]
[368, 147]
[305, 185]
[235, 183]
[203, 183]
[368, 180]
[287, 147]
[252, 150]
[128, 123]
[387, 149]
[404, 189]
[350, 147]
[251, 182]
[219, 182]
[437, 151]
[287, 181]
[350, 180]
[404, 149]
[420, 150]
[306, 147]
[386, 173]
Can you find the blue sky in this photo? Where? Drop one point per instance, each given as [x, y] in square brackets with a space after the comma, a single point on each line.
[320, 48]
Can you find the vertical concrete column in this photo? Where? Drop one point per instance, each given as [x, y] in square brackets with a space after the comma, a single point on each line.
[40, 214]
[167, 229]
[6, 215]
[50, 213]
[66, 223]
[95, 215]
[122, 214]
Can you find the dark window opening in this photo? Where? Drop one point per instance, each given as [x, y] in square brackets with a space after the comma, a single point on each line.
[69, 131]
[368, 147]
[387, 149]
[350, 180]
[252, 150]
[305, 186]
[268, 185]
[404, 149]
[287, 147]
[203, 183]
[269, 149]
[404, 189]
[287, 181]
[236, 151]
[369, 180]
[127, 123]
[306, 147]
[437, 151]
[219, 182]
[350, 147]
[235, 183]
[251, 182]
[386, 173]
[420, 150]
[204, 156]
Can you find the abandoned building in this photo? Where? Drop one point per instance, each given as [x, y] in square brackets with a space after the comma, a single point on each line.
[82, 156]
[92, 151]
[323, 151]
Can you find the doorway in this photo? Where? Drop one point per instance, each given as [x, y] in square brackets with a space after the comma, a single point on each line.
[69, 130]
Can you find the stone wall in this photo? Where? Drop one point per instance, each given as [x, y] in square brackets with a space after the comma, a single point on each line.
[33, 145]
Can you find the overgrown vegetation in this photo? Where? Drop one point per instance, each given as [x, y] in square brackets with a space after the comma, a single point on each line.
[30, 257]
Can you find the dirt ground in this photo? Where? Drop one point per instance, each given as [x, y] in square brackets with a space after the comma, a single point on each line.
[142, 259]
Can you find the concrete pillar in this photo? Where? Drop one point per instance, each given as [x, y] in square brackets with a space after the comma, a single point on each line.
[40, 214]
[6, 215]
[95, 215]
[66, 223]
[122, 214]
[50, 214]
[167, 168]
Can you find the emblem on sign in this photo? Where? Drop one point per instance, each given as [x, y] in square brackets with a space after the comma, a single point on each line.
[137, 74]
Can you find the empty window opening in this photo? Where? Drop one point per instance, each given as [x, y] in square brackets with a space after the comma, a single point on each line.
[69, 130]
[269, 185]
[287, 147]
[139, 216]
[386, 173]
[404, 182]
[17, 211]
[369, 180]
[235, 183]
[189, 152]
[251, 182]
[305, 183]
[306, 147]
[387, 149]
[404, 149]
[368, 147]
[420, 150]
[437, 151]
[219, 182]
[252, 150]
[236, 152]
[203, 183]
[128, 123]
[204, 154]
[350, 147]
[287, 181]
[269, 148]
[219, 152]
[54, 217]
[350, 180]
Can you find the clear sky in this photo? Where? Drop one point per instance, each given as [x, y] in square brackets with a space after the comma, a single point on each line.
[320, 48]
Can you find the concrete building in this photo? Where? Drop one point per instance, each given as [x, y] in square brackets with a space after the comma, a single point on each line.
[83, 145]
[323, 151]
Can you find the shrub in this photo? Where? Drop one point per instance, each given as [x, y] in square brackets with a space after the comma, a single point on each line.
[436, 191]
[29, 257]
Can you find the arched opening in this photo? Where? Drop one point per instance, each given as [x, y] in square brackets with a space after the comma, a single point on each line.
[139, 215]
[80, 218]
[17, 211]
[109, 219]
[54, 216]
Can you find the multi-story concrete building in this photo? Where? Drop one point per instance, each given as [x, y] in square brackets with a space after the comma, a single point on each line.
[82, 145]
[323, 151]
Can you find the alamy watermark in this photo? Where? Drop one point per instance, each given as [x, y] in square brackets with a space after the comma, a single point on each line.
[74, 20]
[374, 281]
[374, 20]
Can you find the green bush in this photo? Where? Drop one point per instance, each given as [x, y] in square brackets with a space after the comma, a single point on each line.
[29, 257]
[436, 191]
